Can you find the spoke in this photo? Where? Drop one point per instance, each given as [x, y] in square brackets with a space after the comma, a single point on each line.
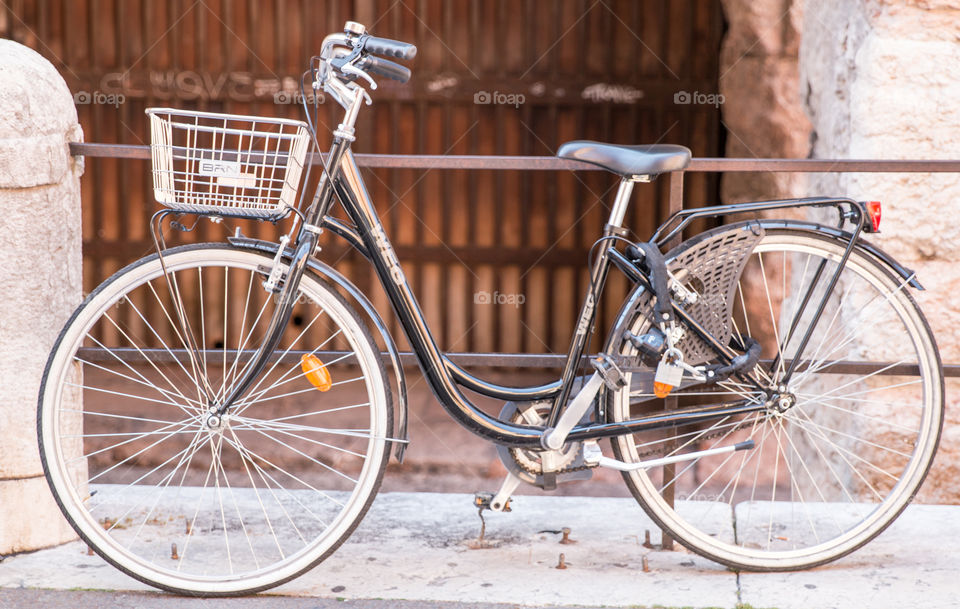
[776, 477]
[286, 473]
[120, 416]
[127, 395]
[185, 460]
[253, 398]
[226, 317]
[192, 379]
[137, 347]
[256, 491]
[744, 461]
[203, 323]
[312, 441]
[196, 513]
[264, 474]
[188, 337]
[170, 395]
[167, 394]
[855, 438]
[119, 463]
[841, 451]
[826, 334]
[856, 326]
[773, 321]
[264, 375]
[243, 345]
[863, 378]
[803, 462]
[305, 455]
[855, 412]
[306, 414]
[795, 487]
[138, 434]
[216, 446]
[693, 462]
[120, 518]
[153, 432]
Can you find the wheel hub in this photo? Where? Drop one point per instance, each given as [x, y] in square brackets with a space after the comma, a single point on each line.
[781, 401]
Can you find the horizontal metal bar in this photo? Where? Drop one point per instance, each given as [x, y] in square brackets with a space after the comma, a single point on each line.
[407, 358]
[486, 360]
[527, 163]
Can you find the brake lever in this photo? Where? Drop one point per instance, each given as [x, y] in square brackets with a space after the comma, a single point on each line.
[349, 68]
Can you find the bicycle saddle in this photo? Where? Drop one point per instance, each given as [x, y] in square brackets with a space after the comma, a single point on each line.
[628, 161]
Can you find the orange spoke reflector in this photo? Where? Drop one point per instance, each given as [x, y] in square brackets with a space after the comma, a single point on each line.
[661, 390]
[316, 372]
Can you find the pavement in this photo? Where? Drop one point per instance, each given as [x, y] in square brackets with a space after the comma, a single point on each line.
[421, 550]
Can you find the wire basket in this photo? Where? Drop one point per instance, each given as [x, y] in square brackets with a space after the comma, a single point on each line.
[226, 164]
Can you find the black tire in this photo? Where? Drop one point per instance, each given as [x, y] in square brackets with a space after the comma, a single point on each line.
[852, 464]
[73, 462]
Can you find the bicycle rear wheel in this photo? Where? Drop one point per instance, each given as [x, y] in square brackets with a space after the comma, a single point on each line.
[836, 463]
[168, 497]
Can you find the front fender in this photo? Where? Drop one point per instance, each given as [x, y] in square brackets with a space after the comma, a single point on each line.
[334, 276]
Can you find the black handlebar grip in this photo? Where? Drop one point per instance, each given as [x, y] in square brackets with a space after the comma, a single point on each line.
[385, 67]
[390, 48]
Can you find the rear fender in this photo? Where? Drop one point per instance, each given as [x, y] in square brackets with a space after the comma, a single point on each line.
[625, 315]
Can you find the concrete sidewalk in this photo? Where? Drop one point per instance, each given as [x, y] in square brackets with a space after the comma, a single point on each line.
[422, 547]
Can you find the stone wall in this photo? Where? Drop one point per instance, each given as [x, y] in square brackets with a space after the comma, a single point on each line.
[40, 277]
[882, 81]
[763, 111]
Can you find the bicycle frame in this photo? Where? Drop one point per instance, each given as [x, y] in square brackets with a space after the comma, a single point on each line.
[342, 180]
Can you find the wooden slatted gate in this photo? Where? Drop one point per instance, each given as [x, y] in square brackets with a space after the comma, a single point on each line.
[507, 78]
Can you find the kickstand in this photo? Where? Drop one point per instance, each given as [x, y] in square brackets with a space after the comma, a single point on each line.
[483, 526]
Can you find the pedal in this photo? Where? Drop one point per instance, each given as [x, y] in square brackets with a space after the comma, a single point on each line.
[607, 368]
[499, 502]
[482, 500]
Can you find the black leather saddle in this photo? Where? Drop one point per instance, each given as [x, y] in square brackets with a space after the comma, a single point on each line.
[628, 161]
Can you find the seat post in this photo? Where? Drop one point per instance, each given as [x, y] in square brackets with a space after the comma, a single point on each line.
[622, 200]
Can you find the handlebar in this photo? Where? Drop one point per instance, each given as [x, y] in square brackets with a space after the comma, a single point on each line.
[390, 48]
[352, 53]
[385, 67]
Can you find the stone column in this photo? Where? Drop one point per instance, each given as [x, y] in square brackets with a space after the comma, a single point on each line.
[40, 277]
[882, 81]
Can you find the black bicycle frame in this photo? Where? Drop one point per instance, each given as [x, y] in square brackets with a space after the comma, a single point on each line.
[342, 179]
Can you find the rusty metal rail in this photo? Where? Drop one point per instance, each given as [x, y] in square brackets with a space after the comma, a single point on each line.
[408, 358]
[528, 163]
[549, 163]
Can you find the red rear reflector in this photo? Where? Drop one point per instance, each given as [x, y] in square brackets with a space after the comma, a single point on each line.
[873, 211]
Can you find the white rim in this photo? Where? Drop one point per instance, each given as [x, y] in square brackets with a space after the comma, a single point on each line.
[91, 529]
[884, 511]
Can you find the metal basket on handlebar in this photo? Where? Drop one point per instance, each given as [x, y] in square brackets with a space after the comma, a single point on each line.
[226, 164]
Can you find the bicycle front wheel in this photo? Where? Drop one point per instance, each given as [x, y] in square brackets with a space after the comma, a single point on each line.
[843, 448]
[211, 508]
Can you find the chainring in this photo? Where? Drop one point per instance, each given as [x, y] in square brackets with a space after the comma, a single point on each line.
[525, 463]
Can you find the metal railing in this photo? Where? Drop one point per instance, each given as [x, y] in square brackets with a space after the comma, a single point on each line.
[541, 163]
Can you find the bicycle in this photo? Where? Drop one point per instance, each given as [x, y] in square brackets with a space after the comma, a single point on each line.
[237, 416]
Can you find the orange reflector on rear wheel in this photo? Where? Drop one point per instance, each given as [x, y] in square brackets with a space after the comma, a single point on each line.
[661, 390]
[316, 372]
